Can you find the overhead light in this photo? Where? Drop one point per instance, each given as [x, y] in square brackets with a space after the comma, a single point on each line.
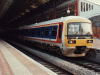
[18, 16]
[27, 10]
[33, 6]
[22, 13]
[43, 1]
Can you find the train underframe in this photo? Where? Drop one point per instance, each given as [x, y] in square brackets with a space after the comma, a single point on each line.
[79, 51]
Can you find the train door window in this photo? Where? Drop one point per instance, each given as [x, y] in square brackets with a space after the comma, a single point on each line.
[60, 30]
[54, 31]
[86, 6]
[38, 32]
[46, 31]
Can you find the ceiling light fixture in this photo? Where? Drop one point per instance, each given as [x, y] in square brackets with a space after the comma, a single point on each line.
[27, 10]
[43, 1]
[33, 6]
[22, 13]
[19, 16]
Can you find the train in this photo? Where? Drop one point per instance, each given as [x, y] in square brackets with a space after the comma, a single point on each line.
[70, 36]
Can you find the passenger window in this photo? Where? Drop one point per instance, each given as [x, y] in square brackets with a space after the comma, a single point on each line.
[92, 7]
[29, 32]
[42, 31]
[54, 31]
[89, 7]
[86, 6]
[23, 32]
[46, 31]
[32, 32]
[38, 32]
[82, 6]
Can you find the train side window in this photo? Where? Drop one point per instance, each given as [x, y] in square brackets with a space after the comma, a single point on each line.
[89, 7]
[60, 30]
[29, 32]
[42, 31]
[32, 32]
[26, 32]
[46, 31]
[92, 7]
[23, 32]
[54, 31]
[86, 6]
[38, 31]
[82, 6]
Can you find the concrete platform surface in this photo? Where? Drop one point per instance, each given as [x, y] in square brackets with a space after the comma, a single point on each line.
[14, 62]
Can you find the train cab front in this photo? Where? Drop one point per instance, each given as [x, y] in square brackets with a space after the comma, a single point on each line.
[78, 38]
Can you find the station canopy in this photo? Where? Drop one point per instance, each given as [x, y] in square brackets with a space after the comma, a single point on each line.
[14, 13]
[12, 10]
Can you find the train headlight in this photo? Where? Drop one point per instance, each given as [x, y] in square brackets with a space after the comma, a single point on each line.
[89, 41]
[72, 42]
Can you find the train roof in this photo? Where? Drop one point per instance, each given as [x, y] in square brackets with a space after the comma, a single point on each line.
[62, 19]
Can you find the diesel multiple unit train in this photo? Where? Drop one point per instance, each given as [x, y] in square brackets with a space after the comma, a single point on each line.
[69, 36]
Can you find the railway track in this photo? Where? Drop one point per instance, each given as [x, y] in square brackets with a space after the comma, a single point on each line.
[54, 68]
[80, 62]
[92, 65]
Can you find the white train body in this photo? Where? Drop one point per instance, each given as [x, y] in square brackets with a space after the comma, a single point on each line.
[53, 36]
[88, 9]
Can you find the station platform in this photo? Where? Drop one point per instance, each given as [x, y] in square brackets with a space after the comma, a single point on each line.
[14, 62]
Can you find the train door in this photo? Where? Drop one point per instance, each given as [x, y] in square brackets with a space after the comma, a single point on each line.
[60, 30]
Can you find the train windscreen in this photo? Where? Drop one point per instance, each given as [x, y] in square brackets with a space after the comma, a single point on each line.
[77, 28]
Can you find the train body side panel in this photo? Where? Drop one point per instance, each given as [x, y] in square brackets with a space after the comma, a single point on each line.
[48, 40]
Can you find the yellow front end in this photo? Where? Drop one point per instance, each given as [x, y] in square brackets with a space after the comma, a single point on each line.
[77, 45]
